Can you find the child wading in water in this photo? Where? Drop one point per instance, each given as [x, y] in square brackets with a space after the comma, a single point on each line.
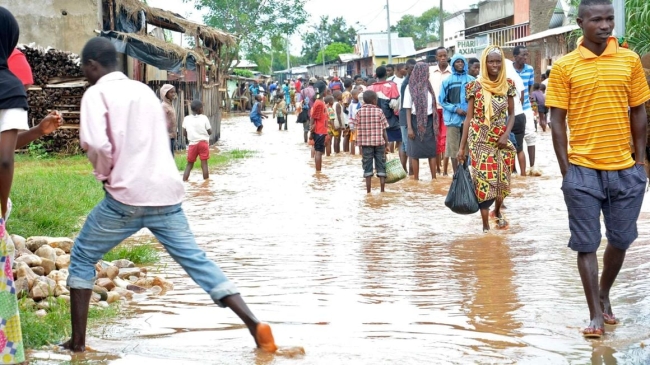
[280, 110]
[355, 105]
[371, 126]
[197, 131]
[318, 123]
[332, 132]
[340, 121]
[256, 113]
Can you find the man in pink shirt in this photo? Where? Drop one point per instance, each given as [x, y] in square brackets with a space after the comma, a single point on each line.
[123, 130]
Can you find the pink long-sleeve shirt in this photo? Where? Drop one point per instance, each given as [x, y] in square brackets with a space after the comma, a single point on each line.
[124, 132]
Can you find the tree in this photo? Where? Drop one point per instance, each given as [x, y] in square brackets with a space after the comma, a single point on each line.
[333, 50]
[275, 59]
[424, 29]
[257, 24]
[332, 31]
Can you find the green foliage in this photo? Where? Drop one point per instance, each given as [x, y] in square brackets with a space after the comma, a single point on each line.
[638, 25]
[333, 50]
[37, 149]
[139, 254]
[51, 196]
[242, 73]
[424, 29]
[216, 159]
[637, 29]
[333, 31]
[54, 328]
[255, 23]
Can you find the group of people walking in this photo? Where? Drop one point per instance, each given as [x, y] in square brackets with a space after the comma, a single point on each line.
[488, 108]
[443, 113]
[474, 111]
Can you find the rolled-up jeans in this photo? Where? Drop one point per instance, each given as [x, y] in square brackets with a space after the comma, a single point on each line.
[111, 222]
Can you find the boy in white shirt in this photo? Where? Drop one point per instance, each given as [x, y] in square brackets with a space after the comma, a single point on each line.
[197, 131]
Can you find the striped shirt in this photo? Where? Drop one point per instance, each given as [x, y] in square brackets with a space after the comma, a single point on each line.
[527, 75]
[596, 92]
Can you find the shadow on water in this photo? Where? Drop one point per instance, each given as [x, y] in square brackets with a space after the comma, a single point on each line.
[379, 278]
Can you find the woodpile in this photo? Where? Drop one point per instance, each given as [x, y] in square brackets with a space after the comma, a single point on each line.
[58, 85]
[49, 64]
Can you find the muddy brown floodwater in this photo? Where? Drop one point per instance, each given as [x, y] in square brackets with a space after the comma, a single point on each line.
[392, 278]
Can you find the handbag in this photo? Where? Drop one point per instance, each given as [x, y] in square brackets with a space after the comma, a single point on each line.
[394, 171]
[461, 198]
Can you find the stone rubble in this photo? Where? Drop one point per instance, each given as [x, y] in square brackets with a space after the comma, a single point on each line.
[40, 269]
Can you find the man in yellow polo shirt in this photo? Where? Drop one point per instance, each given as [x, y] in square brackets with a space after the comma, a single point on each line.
[599, 90]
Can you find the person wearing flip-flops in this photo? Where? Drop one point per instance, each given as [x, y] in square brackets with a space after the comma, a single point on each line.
[591, 91]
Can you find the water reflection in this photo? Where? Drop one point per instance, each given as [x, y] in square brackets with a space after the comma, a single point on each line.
[380, 278]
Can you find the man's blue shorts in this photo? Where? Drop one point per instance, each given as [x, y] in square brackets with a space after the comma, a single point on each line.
[618, 194]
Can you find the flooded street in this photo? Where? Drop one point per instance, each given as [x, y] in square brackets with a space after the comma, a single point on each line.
[393, 278]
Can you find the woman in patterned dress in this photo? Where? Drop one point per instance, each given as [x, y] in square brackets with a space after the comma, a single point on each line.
[13, 117]
[487, 126]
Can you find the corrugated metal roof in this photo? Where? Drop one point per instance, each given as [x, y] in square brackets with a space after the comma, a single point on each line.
[399, 46]
[546, 33]
[419, 51]
[347, 57]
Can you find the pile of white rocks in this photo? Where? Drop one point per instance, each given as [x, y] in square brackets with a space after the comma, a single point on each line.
[40, 269]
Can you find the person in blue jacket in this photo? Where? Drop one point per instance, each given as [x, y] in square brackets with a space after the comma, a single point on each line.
[454, 104]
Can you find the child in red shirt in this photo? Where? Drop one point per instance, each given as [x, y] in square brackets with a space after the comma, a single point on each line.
[319, 119]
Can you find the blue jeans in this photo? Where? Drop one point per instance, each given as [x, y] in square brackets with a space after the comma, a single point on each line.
[405, 136]
[111, 222]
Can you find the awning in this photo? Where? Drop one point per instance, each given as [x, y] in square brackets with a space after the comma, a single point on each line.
[546, 33]
[154, 52]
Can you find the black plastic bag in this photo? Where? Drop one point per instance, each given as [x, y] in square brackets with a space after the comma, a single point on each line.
[461, 197]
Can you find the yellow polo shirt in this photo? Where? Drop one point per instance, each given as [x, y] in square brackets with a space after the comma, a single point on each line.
[596, 92]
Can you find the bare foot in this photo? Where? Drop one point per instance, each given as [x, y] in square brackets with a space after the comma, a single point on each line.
[68, 346]
[264, 338]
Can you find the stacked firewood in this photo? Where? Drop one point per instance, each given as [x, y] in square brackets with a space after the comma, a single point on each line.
[48, 64]
[58, 86]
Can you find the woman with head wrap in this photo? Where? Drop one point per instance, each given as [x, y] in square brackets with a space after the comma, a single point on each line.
[419, 100]
[167, 95]
[488, 124]
[13, 117]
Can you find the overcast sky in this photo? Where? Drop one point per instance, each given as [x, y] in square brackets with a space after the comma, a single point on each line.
[370, 14]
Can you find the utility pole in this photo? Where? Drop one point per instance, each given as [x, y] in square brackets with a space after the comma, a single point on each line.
[288, 58]
[441, 31]
[322, 48]
[390, 50]
[619, 17]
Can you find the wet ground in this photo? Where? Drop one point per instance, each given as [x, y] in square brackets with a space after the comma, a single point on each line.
[392, 278]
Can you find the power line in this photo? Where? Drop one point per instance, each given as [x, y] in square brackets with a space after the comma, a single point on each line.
[373, 19]
[412, 6]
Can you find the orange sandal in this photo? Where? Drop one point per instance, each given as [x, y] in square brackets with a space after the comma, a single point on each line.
[264, 338]
[594, 333]
[610, 319]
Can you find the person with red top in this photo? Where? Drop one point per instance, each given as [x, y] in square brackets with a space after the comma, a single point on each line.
[19, 66]
[298, 84]
[336, 84]
[318, 123]
[388, 101]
